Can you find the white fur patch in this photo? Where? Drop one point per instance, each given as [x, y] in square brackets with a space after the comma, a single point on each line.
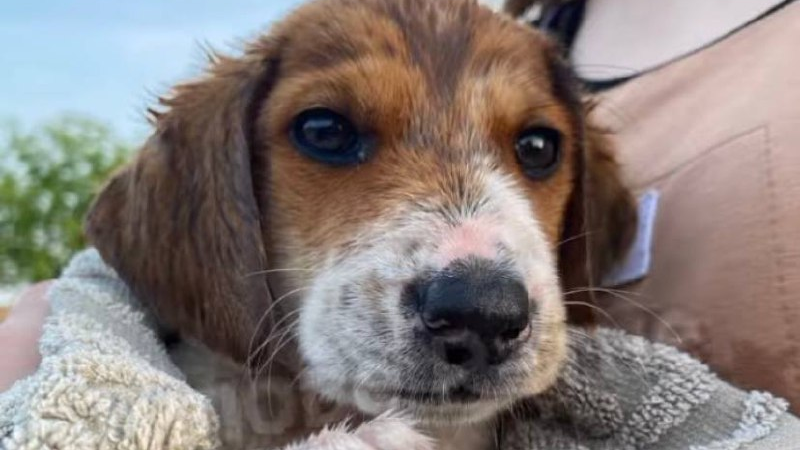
[356, 333]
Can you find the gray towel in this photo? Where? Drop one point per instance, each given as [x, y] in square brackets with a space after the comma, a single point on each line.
[106, 382]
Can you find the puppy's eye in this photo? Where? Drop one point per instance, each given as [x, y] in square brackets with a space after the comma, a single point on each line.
[328, 137]
[539, 151]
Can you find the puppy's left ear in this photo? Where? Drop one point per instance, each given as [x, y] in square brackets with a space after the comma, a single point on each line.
[183, 224]
[599, 226]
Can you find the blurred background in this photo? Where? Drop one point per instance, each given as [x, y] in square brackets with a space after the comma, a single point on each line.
[77, 77]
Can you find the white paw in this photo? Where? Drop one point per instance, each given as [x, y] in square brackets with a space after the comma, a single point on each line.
[393, 433]
[384, 433]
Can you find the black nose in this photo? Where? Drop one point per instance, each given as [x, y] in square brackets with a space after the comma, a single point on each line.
[473, 312]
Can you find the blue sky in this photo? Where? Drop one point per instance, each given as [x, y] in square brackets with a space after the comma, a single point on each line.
[107, 59]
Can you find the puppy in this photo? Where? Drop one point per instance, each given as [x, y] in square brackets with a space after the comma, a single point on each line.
[373, 212]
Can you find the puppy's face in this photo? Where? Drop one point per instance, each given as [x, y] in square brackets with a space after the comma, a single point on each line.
[407, 167]
[420, 169]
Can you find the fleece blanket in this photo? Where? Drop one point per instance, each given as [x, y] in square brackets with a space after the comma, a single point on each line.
[107, 382]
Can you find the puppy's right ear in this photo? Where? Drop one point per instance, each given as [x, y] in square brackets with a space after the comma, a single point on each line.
[600, 224]
[182, 224]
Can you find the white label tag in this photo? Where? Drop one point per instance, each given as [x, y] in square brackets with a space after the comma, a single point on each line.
[637, 264]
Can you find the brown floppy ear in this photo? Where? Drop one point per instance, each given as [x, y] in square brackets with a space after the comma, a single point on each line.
[182, 223]
[599, 225]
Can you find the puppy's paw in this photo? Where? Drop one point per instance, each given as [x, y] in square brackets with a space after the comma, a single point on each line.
[389, 432]
[384, 433]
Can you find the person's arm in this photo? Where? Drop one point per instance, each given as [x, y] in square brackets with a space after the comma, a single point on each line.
[19, 335]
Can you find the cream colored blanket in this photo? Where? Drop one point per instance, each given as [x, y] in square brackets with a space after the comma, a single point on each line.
[106, 382]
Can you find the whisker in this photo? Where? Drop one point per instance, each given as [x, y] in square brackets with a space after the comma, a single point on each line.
[251, 353]
[273, 335]
[572, 238]
[282, 342]
[596, 308]
[606, 314]
[299, 376]
[603, 289]
[364, 378]
[619, 294]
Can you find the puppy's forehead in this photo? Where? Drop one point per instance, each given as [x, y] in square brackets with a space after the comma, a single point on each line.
[445, 40]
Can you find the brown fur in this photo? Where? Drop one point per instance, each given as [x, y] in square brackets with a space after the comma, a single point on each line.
[600, 225]
[219, 187]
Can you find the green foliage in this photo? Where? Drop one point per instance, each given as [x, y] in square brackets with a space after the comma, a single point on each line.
[48, 178]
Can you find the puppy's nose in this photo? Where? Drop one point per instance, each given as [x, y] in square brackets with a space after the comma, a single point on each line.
[473, 312]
